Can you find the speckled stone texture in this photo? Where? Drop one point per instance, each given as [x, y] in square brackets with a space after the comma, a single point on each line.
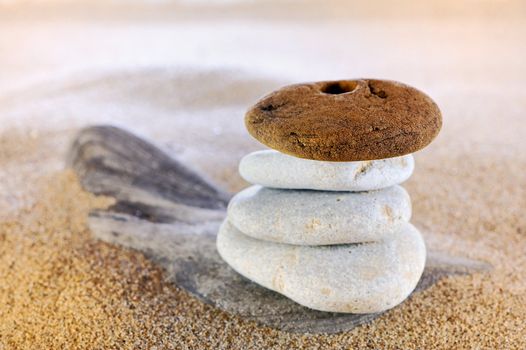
[271, 168]
[346, 120]
[356, 278]
[318, 217]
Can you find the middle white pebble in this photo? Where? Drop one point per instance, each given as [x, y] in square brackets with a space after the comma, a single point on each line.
[318, 217]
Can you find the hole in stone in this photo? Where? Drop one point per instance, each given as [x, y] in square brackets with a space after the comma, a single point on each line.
[268, 108]
[339, 87]
[377, 92]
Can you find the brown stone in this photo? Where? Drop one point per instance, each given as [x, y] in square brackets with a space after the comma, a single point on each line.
[346, 120]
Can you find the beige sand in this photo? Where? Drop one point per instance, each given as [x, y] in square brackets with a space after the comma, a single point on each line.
[60, 288]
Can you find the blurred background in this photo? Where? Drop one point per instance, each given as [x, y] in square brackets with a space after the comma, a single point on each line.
[160, 67]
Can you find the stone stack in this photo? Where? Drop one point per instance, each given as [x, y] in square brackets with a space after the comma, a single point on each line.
[326, 222]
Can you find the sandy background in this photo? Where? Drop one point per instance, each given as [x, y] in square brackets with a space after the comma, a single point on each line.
[182, 75]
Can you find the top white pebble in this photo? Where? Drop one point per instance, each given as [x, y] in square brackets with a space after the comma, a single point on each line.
[271, 168]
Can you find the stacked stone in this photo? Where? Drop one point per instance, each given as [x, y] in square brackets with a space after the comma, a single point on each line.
[326, 222]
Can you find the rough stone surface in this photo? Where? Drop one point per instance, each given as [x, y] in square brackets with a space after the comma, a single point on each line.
[318, 217]
[346, 120]
[274, 169]
[355, 278]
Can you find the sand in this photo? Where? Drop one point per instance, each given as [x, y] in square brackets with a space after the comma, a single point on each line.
[60, 288]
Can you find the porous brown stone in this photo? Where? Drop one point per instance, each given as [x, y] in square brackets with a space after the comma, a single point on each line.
[345, 120]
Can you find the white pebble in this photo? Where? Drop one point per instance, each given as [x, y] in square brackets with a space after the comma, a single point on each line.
[355, 278]
[271, 168]
[318, 217]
